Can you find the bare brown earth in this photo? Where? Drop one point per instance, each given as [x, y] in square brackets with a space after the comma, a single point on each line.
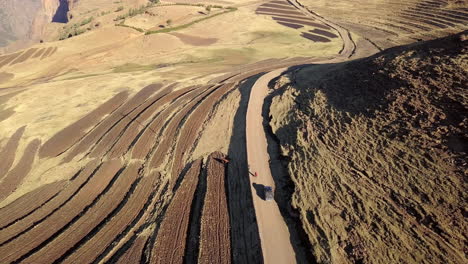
[172, 236]
[66, 138]
[28, 203]
[194, 40]
[23, 245]
[215, 244]
[390, 23]
[89, 220]
[377, 151]
[99, 240]
[11, 181]
[8, 152]
[26, 55]
[133, 254]
[46, 206]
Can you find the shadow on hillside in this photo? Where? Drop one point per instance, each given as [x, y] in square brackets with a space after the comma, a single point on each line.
[245, 239]
[61, 15]
[284, 186]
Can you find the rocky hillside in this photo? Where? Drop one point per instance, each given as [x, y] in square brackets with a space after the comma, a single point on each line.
[25, 22]
[16, 18]
[377, 151]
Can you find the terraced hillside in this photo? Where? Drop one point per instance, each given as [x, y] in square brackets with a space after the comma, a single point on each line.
[25, 55]
[133, 182]
[377, 151]
[287, 15]
[390, 23]
[124, 137]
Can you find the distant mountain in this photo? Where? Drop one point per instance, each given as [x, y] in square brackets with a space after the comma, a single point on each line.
[16, 19]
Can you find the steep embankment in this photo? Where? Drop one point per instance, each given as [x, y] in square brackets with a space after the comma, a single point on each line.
[377, 152]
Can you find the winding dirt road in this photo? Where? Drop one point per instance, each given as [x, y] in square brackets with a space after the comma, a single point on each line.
[274, 234]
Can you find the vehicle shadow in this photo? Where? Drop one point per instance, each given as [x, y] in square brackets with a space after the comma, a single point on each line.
[260, 190]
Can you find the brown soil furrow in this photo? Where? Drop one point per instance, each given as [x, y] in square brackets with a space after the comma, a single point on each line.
[39, 53]
[324, 33]
[86, 223]
[272, 5]
[314, 37]
[138, 123]
[8, 152]
[133, 254]
[171, 131]
[215, 243]
[280, 2]
[28, 203]
[262, 69]
[172, 235]
[295, 26]
[10, 58]
[438, 12]
[14, 178]
[53, 51]
[47, 52]
[302, 17]
[299, 22]
[424, 21]
[118, 225]
[188, 134]
[431, 17]
[120, 117]
[410, 11]
[279, 11]
[156, 205]
[241, 69]
[71, 134]
[5, 114]
[460, 14]
[114, 134]
[25, 223]
[60, 219]
[100, 131]
[25, 56]
[148, 138]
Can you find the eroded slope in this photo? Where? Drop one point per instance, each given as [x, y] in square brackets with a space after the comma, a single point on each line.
[377, 152]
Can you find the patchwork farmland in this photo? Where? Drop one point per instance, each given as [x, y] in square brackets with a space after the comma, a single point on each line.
[30, 54]
[288, 15]
[148, 132]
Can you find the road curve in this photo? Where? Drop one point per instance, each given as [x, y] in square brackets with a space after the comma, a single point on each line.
[274, 234]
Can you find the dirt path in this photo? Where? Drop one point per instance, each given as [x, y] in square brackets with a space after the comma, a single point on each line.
[274, 234]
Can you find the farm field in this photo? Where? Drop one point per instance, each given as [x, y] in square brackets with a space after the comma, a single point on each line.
[126, 131]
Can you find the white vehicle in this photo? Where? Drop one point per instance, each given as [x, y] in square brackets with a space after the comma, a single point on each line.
[269, 193]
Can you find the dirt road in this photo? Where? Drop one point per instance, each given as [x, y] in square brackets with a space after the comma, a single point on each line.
[274, 234]
[349, 46]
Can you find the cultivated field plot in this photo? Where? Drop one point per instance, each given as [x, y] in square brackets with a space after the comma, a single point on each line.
[26, 55]
[214, 237]
[396, 22]
[135, 182]
[287, 15]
